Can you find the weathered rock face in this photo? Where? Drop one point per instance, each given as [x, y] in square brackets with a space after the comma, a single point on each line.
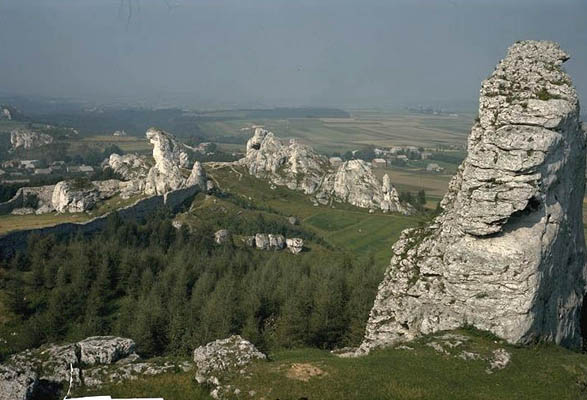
[507, 254]
[299, 167]
[128, 166]
[69, 198]
[222, 236]
[169, 172]
[41, 373]
[224, 357]
[16, 385]
[197, 176]
[295, 245]
[264, 241]
[26, 139]
[105, 349]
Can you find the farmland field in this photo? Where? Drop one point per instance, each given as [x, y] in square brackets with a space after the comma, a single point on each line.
[361, 129]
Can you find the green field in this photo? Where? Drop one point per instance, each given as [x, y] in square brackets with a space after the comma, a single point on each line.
[345, 227]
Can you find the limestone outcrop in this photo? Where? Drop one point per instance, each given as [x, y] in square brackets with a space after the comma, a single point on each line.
[507, 254]
[167, 171]
[27, 139]
[69, 197]
[42, 372]
[222, 236]
[299, 167]
[295, 245]
[128, 166]
[221, 358]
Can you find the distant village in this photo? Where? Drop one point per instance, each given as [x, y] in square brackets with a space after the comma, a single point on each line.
[398, 156]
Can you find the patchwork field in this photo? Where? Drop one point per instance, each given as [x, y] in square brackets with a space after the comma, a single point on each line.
[362, 129]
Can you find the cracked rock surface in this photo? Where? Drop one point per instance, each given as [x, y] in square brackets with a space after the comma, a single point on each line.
[507, 254]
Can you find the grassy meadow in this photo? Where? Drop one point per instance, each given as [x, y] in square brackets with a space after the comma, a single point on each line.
[535, 372]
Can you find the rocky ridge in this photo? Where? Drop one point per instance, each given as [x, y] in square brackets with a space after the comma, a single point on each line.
[27, 139]
[507, 254]
[299, 167]
[44, 371]
[140, 176]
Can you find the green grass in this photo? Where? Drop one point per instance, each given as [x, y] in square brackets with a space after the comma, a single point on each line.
[541, 372]
[345, 227]
[535, 372]
[178, 386]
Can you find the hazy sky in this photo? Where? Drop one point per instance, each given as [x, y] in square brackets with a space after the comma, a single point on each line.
[257, 53]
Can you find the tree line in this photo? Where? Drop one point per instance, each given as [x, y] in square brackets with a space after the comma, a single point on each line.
[172, 290]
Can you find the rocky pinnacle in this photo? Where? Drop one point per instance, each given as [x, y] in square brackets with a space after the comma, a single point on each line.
[507, 254]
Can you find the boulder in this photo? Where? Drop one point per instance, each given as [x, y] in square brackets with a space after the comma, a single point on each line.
[224, 356]
[15, 384]
[105, 349]
[128, 166]
[507, 254]
[276, 242]
[262, 241]
[41, 373]
[295, 245]
[69, 196]
[293, 220]
[222, 236]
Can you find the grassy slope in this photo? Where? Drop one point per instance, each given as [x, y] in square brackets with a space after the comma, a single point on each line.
[344, 226]
[538, 372]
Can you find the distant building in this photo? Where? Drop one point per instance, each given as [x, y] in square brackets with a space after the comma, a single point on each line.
[426, 155]
[402, 157]
[43, 171]
[335, 161]
[433, 167]
[30, 164]
[119, 133]
[378, 163]
[76, 169]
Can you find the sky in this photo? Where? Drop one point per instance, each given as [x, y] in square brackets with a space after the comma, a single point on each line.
[211, 54]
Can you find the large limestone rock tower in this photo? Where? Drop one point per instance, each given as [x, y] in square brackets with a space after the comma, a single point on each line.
[507, 254]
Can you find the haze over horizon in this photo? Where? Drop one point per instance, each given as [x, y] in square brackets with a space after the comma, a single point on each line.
[265, 53]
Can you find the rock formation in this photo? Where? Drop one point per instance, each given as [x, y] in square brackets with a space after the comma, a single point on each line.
[128, 166]
[69, 197]
[26, 139]
[40, 373]
[299, 167]
[295, 245]
[222, 236]
[507, 254]
[224, 357]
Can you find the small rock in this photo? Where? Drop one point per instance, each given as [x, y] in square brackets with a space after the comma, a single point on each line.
[222, 236]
